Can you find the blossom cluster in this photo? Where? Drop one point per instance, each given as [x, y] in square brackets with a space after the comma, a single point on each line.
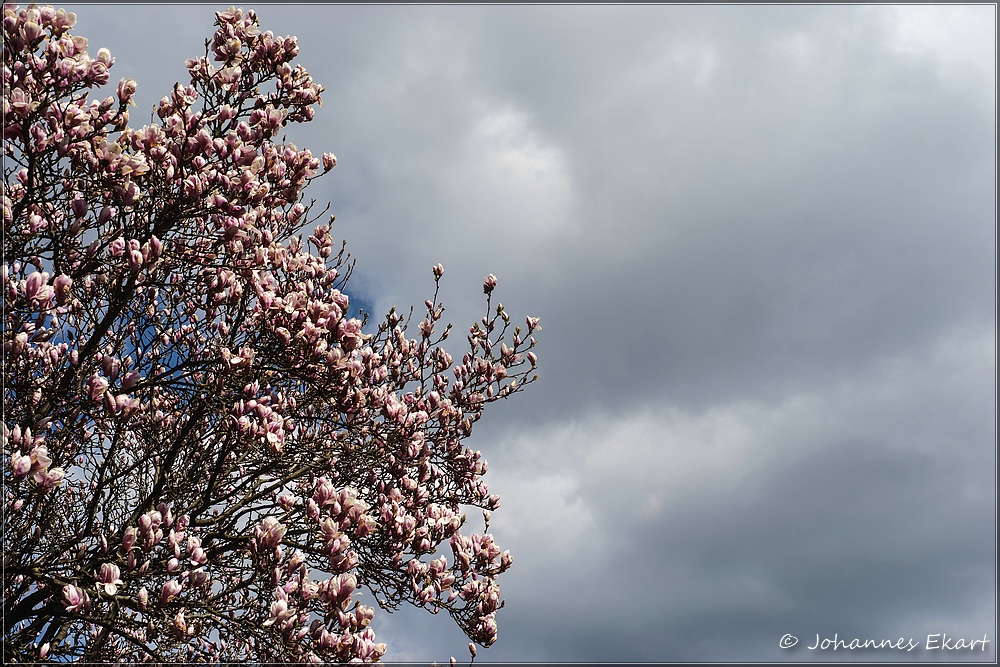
[206, 456]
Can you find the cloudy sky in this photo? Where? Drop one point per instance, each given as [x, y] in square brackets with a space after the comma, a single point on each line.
[762, 244]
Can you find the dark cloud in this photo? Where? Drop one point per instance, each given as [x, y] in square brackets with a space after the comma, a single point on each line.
[762, 244]
[708, 536]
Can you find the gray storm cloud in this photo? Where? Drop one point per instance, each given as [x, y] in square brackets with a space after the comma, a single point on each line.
[761, 241]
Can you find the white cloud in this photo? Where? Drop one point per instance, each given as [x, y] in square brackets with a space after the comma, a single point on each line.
[952, 32]
[562, 482]
[545, 511]
[962, 38]
[506, 177]
[799, 46]
[697, 58]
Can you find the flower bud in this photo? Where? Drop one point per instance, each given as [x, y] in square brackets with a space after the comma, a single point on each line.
[49, 479]
[134, 260]
[21, 465]
[31, 31]
[130, 380]
[75, 598]
[62, 285]
[171, 589]
[109, 576]
[155, 247]
[489, 283]
[33, 285]
[165, 515]
[179, 625]
[79, 206]
[270, 532]
[96, 386]
[126, 91]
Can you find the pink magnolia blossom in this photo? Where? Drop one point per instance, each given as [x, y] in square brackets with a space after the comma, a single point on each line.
[75, 598]
[280, 614]
[198, 578]
[96, 386]
[49, 479]
[37, 289]
[20, 465]
[270, 532]
[170, 590]
[40, 459]
[62, 285]
[129, 538]
[109, 577]
[117, 247]
[126, 91]
[179, 625]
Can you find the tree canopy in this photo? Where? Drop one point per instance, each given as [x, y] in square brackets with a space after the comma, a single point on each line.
[205, 456]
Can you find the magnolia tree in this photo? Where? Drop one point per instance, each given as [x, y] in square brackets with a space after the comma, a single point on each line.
[204, 457]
